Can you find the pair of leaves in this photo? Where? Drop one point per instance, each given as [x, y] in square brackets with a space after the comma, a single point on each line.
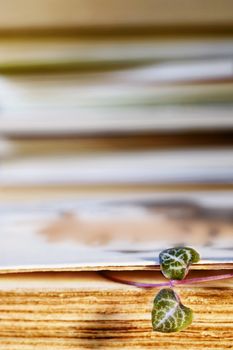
[169, 314]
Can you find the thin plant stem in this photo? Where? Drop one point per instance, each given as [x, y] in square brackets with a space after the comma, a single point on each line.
[171, 283]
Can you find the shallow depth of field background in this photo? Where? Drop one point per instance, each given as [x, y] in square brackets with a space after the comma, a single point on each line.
[116, 123]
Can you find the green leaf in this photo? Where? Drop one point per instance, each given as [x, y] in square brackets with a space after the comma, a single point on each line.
[169, 314]
[175, 262]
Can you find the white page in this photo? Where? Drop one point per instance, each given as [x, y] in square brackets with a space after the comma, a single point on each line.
[126, 231]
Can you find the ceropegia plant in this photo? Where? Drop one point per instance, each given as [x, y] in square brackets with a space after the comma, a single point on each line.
[175, 262]
[168, 313]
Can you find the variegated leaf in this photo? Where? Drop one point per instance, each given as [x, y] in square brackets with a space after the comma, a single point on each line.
[175, 262]
[169, 314]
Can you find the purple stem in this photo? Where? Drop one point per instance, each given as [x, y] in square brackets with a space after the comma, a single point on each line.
[171, 283]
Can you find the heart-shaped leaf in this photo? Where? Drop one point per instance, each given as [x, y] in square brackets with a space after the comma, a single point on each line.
[169, 314]
[175, 262]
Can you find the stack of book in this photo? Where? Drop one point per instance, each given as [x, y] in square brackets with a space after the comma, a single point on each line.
[84, 311]
[115, 143]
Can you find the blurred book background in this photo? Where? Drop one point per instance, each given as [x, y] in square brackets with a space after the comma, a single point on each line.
[105, 102]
